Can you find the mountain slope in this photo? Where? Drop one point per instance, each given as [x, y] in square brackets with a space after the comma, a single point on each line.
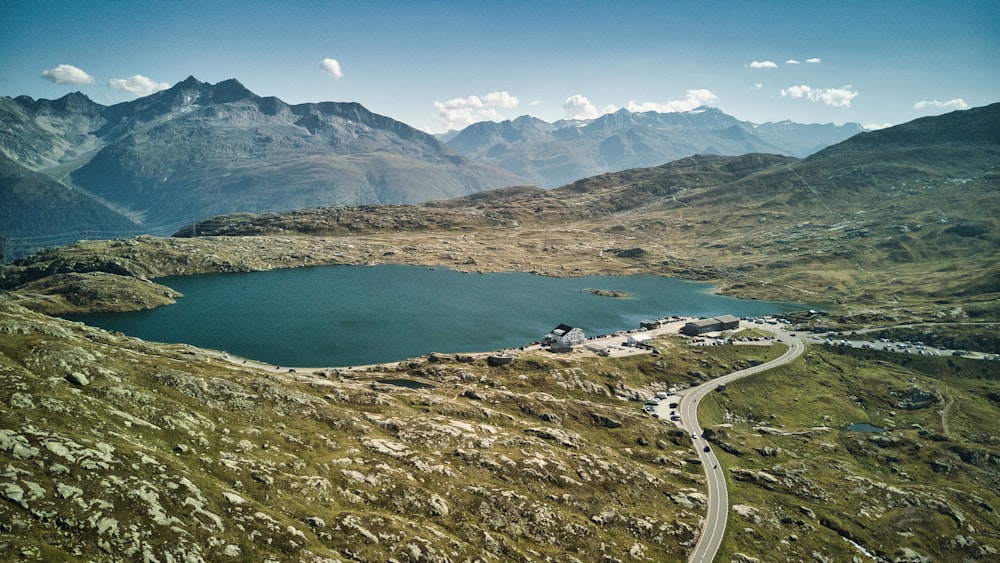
[197, 150]
[38, 212]
[889, 223]
[118, 449]
[555, 154]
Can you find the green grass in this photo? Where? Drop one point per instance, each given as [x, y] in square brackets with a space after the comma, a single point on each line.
[848, 478]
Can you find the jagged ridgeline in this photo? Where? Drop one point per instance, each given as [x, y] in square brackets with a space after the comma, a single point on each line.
[114, 449]
[197, 150]
[554, 154]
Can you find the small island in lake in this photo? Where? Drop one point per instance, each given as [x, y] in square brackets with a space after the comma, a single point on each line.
[608, 293]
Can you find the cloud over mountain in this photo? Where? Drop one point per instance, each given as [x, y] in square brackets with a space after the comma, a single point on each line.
[579, 107]
[957, 103]
[692, 99]
[67, 74]
[331, 67]
[836, 97]
[457, 113]
[137, 85]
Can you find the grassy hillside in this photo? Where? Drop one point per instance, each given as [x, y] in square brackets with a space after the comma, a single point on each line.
[115, 449]
[801, 482]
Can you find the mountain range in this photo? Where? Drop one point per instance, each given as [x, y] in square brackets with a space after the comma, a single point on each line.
[116, 449]
[72, 168]
[554, 154]
[197, 150]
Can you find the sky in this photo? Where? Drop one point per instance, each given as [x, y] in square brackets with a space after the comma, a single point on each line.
[441, 65]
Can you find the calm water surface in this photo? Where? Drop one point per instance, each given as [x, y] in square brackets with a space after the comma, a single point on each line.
[355, 315]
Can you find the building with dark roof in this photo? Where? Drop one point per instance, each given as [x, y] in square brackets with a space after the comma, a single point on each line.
[565, 336]
[715, 324]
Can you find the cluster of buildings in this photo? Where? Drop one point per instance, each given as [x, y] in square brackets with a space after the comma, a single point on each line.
[565, 337]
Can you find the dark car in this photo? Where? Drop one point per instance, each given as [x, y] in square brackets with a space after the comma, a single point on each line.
[706, 448]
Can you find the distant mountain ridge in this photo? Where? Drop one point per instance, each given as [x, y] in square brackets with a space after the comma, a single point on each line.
[197, 150]
[554, 154]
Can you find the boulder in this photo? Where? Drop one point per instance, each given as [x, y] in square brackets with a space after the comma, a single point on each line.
[77, 378]
[605, 421]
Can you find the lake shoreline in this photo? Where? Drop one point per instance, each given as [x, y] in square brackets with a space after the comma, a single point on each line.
[371, 315]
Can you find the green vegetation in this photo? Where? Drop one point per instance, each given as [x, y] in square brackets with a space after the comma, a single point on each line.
[803, 481]
[117, 449]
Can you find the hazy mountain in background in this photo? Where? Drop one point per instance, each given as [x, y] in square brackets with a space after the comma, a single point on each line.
[198, 149]
[554, 154]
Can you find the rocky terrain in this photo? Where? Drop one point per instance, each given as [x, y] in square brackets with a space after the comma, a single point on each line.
[900, 223]
[922, 489]
[117, 449]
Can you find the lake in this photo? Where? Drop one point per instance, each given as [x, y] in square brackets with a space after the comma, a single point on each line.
[355, 315]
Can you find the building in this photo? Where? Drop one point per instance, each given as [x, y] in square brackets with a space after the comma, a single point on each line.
[649, 324]
[639, 339]
[729, 322]
[701, 326]
[565, 336]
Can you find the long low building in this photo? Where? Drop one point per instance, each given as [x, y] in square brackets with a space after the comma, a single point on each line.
[715, 324]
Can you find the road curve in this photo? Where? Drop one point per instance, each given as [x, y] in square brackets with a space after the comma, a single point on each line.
[718, 494]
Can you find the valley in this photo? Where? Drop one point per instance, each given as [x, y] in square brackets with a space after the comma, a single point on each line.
[116, 448]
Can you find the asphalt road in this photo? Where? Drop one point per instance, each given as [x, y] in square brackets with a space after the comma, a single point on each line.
[718, 493]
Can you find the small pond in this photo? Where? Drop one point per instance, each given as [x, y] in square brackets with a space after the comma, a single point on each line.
[864, 427]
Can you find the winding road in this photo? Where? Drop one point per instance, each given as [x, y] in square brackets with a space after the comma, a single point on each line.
[718, 494]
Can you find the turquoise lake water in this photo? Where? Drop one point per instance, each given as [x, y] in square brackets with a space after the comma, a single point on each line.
[355, 315]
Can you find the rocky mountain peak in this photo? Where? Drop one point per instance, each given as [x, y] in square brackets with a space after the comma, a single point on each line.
[229, 91]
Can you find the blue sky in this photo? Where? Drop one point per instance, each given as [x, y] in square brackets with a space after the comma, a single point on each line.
[438, 65]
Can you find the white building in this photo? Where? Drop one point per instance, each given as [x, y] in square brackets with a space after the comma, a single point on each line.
[565, 336]
[639, 339]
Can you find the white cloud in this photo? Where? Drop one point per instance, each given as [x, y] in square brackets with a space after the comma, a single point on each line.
[836, 97]
[692, 99]
[461, 112]
[877, 126]
[957, 103]
[138, 85]
[763, 64]
[814, 60]
[579, 107]
[758, 86]
[67, 74]
[792, 62]
[796, 91]
[331, 67]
